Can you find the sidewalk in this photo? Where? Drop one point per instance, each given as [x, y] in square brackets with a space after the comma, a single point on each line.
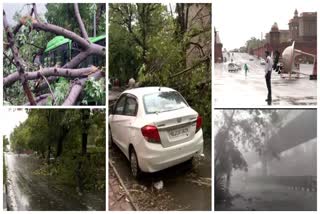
[118, 199]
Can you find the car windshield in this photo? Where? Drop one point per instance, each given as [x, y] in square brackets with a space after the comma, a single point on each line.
[163, 101]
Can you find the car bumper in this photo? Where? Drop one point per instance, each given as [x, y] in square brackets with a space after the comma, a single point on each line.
[154, 157]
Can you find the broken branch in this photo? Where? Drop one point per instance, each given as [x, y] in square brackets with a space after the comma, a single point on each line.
[80, 22]
[47, 72]
[17, 60]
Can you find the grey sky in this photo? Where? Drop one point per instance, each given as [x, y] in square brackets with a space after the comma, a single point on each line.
[10, 119]
[238, 21]
[12, 8]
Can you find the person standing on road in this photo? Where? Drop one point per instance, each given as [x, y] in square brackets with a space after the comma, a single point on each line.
[246, 68]
[268, 70]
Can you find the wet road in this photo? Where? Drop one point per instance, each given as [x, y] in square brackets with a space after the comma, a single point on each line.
[235, 89]
[29, 191]
[186, 186]
[268, 197]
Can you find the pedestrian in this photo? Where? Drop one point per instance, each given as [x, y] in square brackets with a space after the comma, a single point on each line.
[246, 68]
[268, 70]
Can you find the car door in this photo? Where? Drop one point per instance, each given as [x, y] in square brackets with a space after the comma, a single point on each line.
[115, 120]
[122, 121]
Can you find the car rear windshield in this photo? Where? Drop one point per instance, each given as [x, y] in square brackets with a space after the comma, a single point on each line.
[163, 101]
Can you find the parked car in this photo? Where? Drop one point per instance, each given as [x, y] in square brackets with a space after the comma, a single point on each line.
[155, 128]
[262, 62]
[251, 58]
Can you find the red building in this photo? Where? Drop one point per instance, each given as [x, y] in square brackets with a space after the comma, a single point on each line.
[218, 57]
[302, 30]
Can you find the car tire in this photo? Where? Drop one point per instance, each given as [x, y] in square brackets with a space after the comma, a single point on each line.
[134, 165]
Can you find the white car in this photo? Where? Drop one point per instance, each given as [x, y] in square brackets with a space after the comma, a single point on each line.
[155, 128]
[262, 62]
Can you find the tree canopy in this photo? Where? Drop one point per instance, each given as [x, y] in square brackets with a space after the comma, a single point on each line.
[159, 46]
[64, 139]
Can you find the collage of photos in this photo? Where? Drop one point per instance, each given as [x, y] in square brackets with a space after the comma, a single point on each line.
[118, 106]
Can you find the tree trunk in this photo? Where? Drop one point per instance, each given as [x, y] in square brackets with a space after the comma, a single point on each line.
[84, 143]
[48, 155]
[60, 142]
[85, 114]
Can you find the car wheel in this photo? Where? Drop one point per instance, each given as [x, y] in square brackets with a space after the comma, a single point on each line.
[134, 165]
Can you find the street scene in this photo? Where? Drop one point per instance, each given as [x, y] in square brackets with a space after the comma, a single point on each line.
[54, 54]
[265, 161]
[159, 129]
[274, 64]
[61, 168]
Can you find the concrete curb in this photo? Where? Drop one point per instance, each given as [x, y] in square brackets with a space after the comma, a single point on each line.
[134, 205]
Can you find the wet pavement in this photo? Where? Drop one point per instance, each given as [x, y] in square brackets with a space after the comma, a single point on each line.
[185, 186]
[255, 196]
[235, 89]
[29, 191]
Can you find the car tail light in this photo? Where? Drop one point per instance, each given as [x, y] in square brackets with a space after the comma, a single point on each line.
[198, 123]
[151, 133]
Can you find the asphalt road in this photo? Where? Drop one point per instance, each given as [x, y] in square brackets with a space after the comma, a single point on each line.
[28, 191]
[238, 90]
[255, 196]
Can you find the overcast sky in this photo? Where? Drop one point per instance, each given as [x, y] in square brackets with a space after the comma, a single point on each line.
[237, 21]
[23, 9]
[10, 119]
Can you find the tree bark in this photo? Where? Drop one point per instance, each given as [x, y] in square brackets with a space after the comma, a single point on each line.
[57, 30]
[48, 154]
[80, 22]
[65, 131]
[17, 60]
[78, 87]
[85, 115]
[47, 72]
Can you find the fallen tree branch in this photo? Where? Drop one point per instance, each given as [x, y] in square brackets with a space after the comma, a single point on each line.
[40, 100]
[49, 72]
[45, 79]
[80, 22]
[201, 61]
[19, 25]
[17, 60]
[74, 62]
[56, 30]
[77, 87]
[34, 8]
[10, 59]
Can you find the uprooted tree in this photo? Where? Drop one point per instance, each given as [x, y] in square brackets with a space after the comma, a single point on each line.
[77, 81]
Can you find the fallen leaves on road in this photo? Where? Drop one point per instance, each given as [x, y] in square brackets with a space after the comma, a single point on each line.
[152, 199]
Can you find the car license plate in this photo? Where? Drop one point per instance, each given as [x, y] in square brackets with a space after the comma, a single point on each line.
[179, 132]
